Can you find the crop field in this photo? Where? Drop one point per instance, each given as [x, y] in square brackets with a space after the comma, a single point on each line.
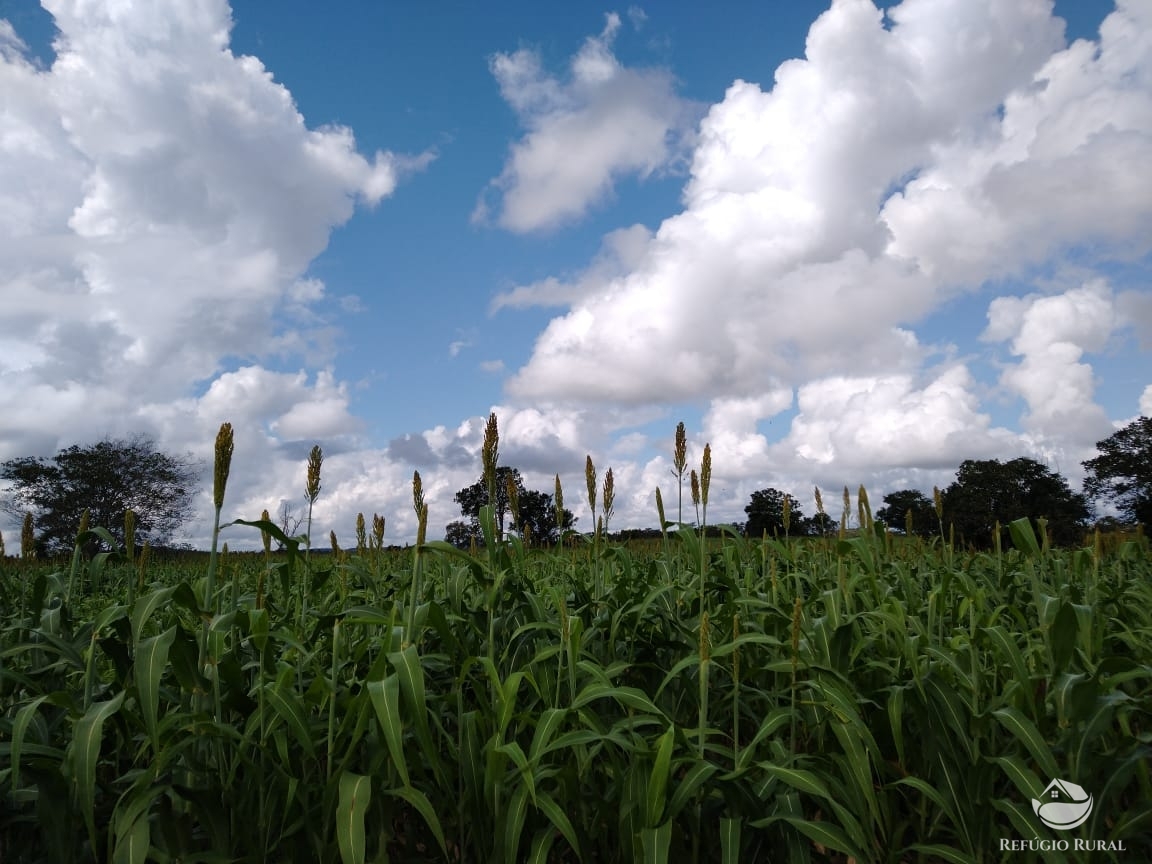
[863, 697]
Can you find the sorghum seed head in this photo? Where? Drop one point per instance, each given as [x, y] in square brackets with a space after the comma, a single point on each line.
[680, 449]
[265, 537]
[938, 502]
[590, 480]
[378, 530]
[819, 501]
[490, 453]
[694, 483]
[417, 493]
[223, 463]
[559, 503]
[609, 497]
[660, 507]
[312, 486]
[705, 473]
[361, 533]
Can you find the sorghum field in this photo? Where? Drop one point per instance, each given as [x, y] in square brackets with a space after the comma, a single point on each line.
[865, 698]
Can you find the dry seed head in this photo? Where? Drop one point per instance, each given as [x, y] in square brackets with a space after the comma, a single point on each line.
[559, 503]
[142, 561]
[705, 473]
[680, 450]
[590, 481]
[865, 508]
[84, 518]
[130, 533]
[312, 486]
[361, 534]
[490, 453]
[819, 501]
[378, 530]
[847, 502]
[417, 493]
[223, 463]
[694, 483]
[422, 526]
[660, 507]
[787, 512]
[335, 545]
[265, 537]
[513, 499]
[609, 497]
[938, 501]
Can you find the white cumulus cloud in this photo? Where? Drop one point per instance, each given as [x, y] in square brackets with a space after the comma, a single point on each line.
[583, 133]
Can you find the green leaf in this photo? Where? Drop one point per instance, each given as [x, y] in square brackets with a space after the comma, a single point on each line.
[1026, 732]
[514, 816]
[559, 818]
[355, 795]
[151, 660]
[87, 737]
[287, 704]
[385, 697]
[804, 781]
[420, 801]
[656, 842]
[550, 720]
[1062, 636]
[1023, 537]
[730, 840]
[827, 835]
[699, 774]
[19, 728]
[133, 847]
[658, 780]
[630, 697]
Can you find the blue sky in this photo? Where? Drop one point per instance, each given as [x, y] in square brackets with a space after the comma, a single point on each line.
[844, 248]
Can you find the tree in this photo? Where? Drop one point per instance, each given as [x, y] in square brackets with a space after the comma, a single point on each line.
[1122, 473]
[766, 514]
[537, 510]
[106, 479]
[894, 513]
[988, 491]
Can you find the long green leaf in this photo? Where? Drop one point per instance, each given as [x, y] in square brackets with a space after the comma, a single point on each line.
[355, 795]
[1026, 732]
[385, 697]
[87, 737]
[658, 779]
[151, 660]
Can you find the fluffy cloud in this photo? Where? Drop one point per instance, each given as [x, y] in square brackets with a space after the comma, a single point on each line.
[606, 121]
[1146, 402]
[1052, 334]
[899, 164]
[159, 195]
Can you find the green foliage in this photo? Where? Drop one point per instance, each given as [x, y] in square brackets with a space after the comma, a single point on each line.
[766, 515]
[106, 479]
[896, 507]
[535, 511]
[715, 699]
[1122, 473]
[990, 491]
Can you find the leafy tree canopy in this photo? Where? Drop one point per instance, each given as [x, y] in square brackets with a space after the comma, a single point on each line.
[106, 479]
[1122, 473]
[989, 490]
[897, 506]
[766, 515]
[535, 514]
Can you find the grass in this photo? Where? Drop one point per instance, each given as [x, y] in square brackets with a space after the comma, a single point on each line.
[704, 699]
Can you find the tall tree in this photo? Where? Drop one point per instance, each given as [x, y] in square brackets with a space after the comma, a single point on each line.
[536, 510]
[766, 514]
[987, 491]
[897, 505]
[1122, 473]
[106, 479]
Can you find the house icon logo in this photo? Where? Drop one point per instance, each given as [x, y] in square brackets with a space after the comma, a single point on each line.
[1063, 805]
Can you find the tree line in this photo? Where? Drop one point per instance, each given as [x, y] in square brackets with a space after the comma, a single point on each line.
[112, 477]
